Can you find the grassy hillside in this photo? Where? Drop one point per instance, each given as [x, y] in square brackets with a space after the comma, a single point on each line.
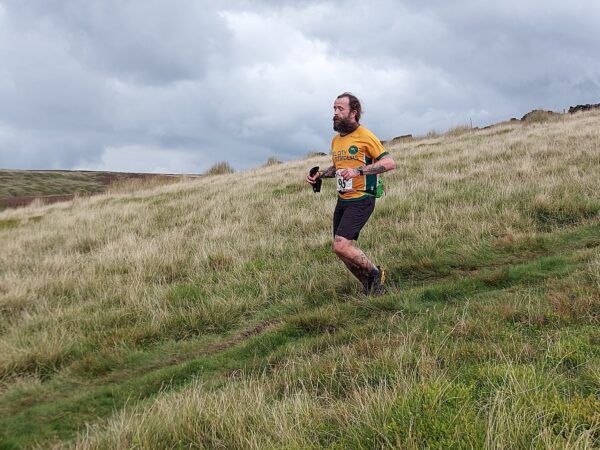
[212, 313]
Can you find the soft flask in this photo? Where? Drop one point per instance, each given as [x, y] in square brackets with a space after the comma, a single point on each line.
[317, 186]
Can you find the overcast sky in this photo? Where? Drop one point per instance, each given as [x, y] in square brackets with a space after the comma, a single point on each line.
[175, 86]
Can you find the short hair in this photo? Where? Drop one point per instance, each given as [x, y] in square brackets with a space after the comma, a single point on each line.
[354, 104]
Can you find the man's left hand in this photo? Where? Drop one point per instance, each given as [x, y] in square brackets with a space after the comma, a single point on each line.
[349, 173]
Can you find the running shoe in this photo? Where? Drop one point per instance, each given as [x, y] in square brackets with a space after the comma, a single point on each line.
[376, 284]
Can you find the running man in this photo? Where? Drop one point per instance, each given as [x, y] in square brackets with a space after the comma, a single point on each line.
[358, 158]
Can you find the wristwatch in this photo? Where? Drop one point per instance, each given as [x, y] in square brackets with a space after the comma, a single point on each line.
[360, 171]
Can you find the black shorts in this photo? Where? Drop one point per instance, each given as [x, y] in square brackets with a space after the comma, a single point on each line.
[350, 217]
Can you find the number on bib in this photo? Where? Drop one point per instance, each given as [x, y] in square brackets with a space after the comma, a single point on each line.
[343, 185]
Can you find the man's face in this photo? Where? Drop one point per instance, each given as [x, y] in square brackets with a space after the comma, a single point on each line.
[343, 118]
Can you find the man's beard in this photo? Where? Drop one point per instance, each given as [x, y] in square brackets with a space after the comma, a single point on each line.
[344, 126]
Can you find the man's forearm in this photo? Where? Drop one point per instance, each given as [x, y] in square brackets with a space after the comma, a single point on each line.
[380, 166]
[373, 169]
[328, 173]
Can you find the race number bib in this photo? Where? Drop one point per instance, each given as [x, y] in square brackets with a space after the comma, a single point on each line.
[343, 185]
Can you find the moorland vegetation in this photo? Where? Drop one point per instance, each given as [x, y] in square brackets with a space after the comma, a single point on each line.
[212, 313]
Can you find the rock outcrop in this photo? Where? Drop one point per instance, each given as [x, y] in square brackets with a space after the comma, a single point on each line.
[574, 109]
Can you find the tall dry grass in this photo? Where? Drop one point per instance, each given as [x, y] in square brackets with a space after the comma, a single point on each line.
[125, 272]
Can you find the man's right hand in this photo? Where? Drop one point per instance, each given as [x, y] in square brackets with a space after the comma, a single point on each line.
[313, 180]
[313, 175]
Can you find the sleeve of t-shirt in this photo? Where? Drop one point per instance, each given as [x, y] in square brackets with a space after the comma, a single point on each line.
[375, 149]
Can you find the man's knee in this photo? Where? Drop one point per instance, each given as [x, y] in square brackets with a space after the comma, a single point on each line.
[341, 246]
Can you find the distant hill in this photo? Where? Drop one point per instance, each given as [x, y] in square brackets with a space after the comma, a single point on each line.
[21, 187]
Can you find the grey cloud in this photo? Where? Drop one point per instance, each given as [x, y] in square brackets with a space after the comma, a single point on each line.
[146, 42]
[516, 50]
[95, 83]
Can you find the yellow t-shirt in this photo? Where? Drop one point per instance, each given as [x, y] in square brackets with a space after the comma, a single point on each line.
[359, 148]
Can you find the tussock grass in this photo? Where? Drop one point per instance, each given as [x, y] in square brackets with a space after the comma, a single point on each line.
[220, 168]
[211, 312]
[458, 130]
[314, 154]
[271, 161]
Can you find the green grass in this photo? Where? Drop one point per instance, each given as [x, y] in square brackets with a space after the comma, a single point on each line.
[8, 223]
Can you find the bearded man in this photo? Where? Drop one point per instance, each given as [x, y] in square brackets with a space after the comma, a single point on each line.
[358, 159]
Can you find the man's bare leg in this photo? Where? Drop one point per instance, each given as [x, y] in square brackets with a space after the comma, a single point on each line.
[355, 260]
[356, 271]
[348, 253]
